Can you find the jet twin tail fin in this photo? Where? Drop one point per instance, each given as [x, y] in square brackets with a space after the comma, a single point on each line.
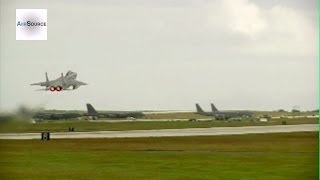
[47, 79]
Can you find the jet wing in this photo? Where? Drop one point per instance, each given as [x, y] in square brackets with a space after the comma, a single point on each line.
[57, 82]
[39, 84]
[80, 82]
[74, 83]
[51, 83]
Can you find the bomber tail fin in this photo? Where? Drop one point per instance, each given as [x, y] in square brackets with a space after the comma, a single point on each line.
[213, 108]
[91, 110]
[199, 109]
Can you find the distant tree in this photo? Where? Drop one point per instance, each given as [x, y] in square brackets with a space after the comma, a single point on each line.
[295, 110]
[281, 110]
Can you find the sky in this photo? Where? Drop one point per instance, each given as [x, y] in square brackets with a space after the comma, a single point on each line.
[165, 55]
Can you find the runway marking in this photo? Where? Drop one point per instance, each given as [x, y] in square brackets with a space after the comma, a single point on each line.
[214, 131]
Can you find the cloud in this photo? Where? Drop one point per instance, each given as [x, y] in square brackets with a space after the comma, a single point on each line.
[277, 30]
[239, 16]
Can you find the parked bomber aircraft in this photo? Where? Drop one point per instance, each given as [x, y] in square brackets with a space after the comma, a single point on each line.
[112, 114]
[57, 116]
[221, 115]
[61, 83]
[91, 113]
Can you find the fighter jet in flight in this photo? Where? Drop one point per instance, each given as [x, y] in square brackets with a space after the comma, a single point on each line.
[61, 83]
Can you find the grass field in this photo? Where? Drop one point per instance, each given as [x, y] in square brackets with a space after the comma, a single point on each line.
[81, 125]
[265, 156]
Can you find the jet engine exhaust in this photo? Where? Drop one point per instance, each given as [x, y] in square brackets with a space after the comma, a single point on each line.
[52, 88]
[58, 88]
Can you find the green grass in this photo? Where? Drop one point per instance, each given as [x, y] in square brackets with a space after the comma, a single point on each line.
[277, 114]
[81, 125]
[264, 156]
[177, 115]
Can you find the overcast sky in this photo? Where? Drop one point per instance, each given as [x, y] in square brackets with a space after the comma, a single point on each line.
[165, 54]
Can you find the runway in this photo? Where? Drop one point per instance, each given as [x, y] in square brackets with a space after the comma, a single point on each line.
[215, 131]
